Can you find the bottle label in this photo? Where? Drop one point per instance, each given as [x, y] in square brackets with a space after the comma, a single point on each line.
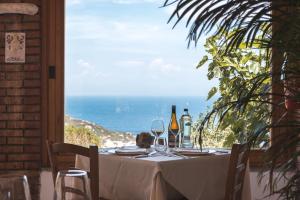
[171, 140]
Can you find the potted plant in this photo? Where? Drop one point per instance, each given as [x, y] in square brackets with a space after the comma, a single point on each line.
[257, 24]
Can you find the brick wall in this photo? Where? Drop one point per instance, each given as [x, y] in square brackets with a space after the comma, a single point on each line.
[20, 100]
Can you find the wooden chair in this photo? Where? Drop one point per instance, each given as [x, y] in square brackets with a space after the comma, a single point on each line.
[58, 152]
[236, 172]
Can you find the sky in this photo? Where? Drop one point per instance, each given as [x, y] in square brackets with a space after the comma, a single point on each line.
[126, 48]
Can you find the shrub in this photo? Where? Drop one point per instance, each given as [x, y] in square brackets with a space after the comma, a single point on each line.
[81, 135]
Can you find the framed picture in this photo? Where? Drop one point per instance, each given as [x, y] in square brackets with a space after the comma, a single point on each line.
[15, 47]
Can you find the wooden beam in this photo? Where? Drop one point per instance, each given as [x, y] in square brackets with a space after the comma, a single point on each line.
[53, 88]
[277, 61]
[18, 8]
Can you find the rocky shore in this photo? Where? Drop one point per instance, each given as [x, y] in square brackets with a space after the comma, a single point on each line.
[108, 138]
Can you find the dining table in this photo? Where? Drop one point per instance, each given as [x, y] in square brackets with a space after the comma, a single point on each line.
[163, 177]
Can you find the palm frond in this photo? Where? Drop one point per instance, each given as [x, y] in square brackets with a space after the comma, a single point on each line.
[249, 18]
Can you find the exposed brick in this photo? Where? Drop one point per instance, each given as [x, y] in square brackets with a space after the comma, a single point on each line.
[2, 92]
[10, 18]
[11, 68]
[31, 18]
[32, 59]
[11, 84]
[32, 75]
[2, 157]
[33, 34]
[37, 2]
[23, 124]
[22, 140]
[32, 149]
[2, 140]
[23, 108]
[32, 116]
[33, 51]
[22, 27]
[33, 43]
[32, 133]
[22, 75]
[11, 100]
[11, 116]
[2, 39]
[31, 67]
[2, 108]
[11, 149]
[32, 166]
[32, 83]
[2, 76]
[23, 157]
[32, 100]
[2, 124]
[11, 1]
[23, 92]
[20, 96]
[11, 165]
[11, 133]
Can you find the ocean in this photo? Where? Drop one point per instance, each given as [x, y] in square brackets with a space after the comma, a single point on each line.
[131, 114]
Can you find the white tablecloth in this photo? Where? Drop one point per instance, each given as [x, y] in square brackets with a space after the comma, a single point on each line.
[160, 178]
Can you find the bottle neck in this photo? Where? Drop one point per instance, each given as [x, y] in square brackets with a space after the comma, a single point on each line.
[173, 117]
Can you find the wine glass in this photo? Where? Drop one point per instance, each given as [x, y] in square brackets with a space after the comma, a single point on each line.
[72, 184]
[157, 128]
[161, 145]
[176, 132]
[14, 187]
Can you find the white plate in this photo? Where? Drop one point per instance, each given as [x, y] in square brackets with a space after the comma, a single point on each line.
[192, 152]
[130, 151]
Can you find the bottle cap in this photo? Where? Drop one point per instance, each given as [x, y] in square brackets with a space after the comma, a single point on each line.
[173, 108]
[185, 109]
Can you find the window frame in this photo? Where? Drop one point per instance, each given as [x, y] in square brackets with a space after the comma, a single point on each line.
[53, 91]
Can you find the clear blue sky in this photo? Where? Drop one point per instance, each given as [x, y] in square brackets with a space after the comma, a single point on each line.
[125, 47]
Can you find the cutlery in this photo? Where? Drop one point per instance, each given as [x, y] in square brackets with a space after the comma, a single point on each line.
[145, 155]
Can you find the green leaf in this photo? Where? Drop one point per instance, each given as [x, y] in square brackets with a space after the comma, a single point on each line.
[212, 92]
[202, 62]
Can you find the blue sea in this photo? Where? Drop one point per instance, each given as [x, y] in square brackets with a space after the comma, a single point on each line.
[131, 114]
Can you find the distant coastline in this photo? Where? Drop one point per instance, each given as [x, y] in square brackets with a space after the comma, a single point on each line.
[132, 114]
[108, 137]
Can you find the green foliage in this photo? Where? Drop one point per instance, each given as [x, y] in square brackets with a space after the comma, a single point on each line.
[244, 87]
[82, 136]
[213, 137]
[235, 71]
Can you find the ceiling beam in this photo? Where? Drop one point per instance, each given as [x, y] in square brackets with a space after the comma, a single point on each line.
[18, 8]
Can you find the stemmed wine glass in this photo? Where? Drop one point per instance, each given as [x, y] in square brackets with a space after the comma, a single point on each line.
[157, 128]
[176, 132]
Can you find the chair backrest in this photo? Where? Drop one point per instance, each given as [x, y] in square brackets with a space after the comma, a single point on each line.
[58, 152]
[236, 172]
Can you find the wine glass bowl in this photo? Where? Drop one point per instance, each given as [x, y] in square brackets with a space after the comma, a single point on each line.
[157, 127]
[175, 133]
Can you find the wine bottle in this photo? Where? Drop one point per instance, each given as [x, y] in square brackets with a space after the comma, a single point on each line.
[185, 124]
[173, 128]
